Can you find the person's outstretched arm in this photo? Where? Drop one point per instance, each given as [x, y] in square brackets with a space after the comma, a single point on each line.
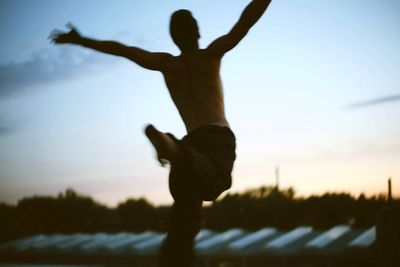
[148, 60]
[249, 17]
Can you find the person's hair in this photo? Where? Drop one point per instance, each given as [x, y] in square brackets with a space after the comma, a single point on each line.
[184, 30]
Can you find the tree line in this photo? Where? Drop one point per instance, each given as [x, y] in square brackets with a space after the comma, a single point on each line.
[70, 212]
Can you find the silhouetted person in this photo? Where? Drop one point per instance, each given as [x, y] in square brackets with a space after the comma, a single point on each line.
[202, 162]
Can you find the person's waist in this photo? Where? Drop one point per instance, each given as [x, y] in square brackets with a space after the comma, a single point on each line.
[221, 123]
[212, 128]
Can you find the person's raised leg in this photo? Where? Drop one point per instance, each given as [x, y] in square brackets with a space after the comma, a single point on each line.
[166, 147]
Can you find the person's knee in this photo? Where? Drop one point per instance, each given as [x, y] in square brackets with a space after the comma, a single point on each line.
[213, 190]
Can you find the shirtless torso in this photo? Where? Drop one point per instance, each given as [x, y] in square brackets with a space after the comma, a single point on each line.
[195, 86]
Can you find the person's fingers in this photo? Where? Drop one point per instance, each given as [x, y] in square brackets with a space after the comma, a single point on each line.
[55, 33]
[59, 39]
[71, 26]
[58, 36]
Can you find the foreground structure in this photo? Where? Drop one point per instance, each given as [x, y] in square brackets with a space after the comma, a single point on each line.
[302, 246]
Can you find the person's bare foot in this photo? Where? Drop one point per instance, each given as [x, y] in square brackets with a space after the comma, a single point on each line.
[167, 149]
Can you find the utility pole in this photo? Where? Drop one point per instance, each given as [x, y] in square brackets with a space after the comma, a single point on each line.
[277, 177]
[388, 232]
[389, 191]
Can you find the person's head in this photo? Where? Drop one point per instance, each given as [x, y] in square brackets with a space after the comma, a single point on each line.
[184, 30]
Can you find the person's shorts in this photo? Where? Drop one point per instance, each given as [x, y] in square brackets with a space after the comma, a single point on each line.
[204, 172]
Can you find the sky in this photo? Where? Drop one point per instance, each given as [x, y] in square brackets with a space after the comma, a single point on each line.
[313, 89]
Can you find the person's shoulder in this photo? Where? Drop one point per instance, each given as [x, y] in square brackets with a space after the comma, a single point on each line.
[165, 58]
[174, 63]
[211, 53]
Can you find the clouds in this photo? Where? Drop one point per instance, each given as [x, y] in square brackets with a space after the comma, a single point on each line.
[46, 66]
[376, 101]
[7, 126]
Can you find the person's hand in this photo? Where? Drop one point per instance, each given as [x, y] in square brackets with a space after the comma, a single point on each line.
[59, 37]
